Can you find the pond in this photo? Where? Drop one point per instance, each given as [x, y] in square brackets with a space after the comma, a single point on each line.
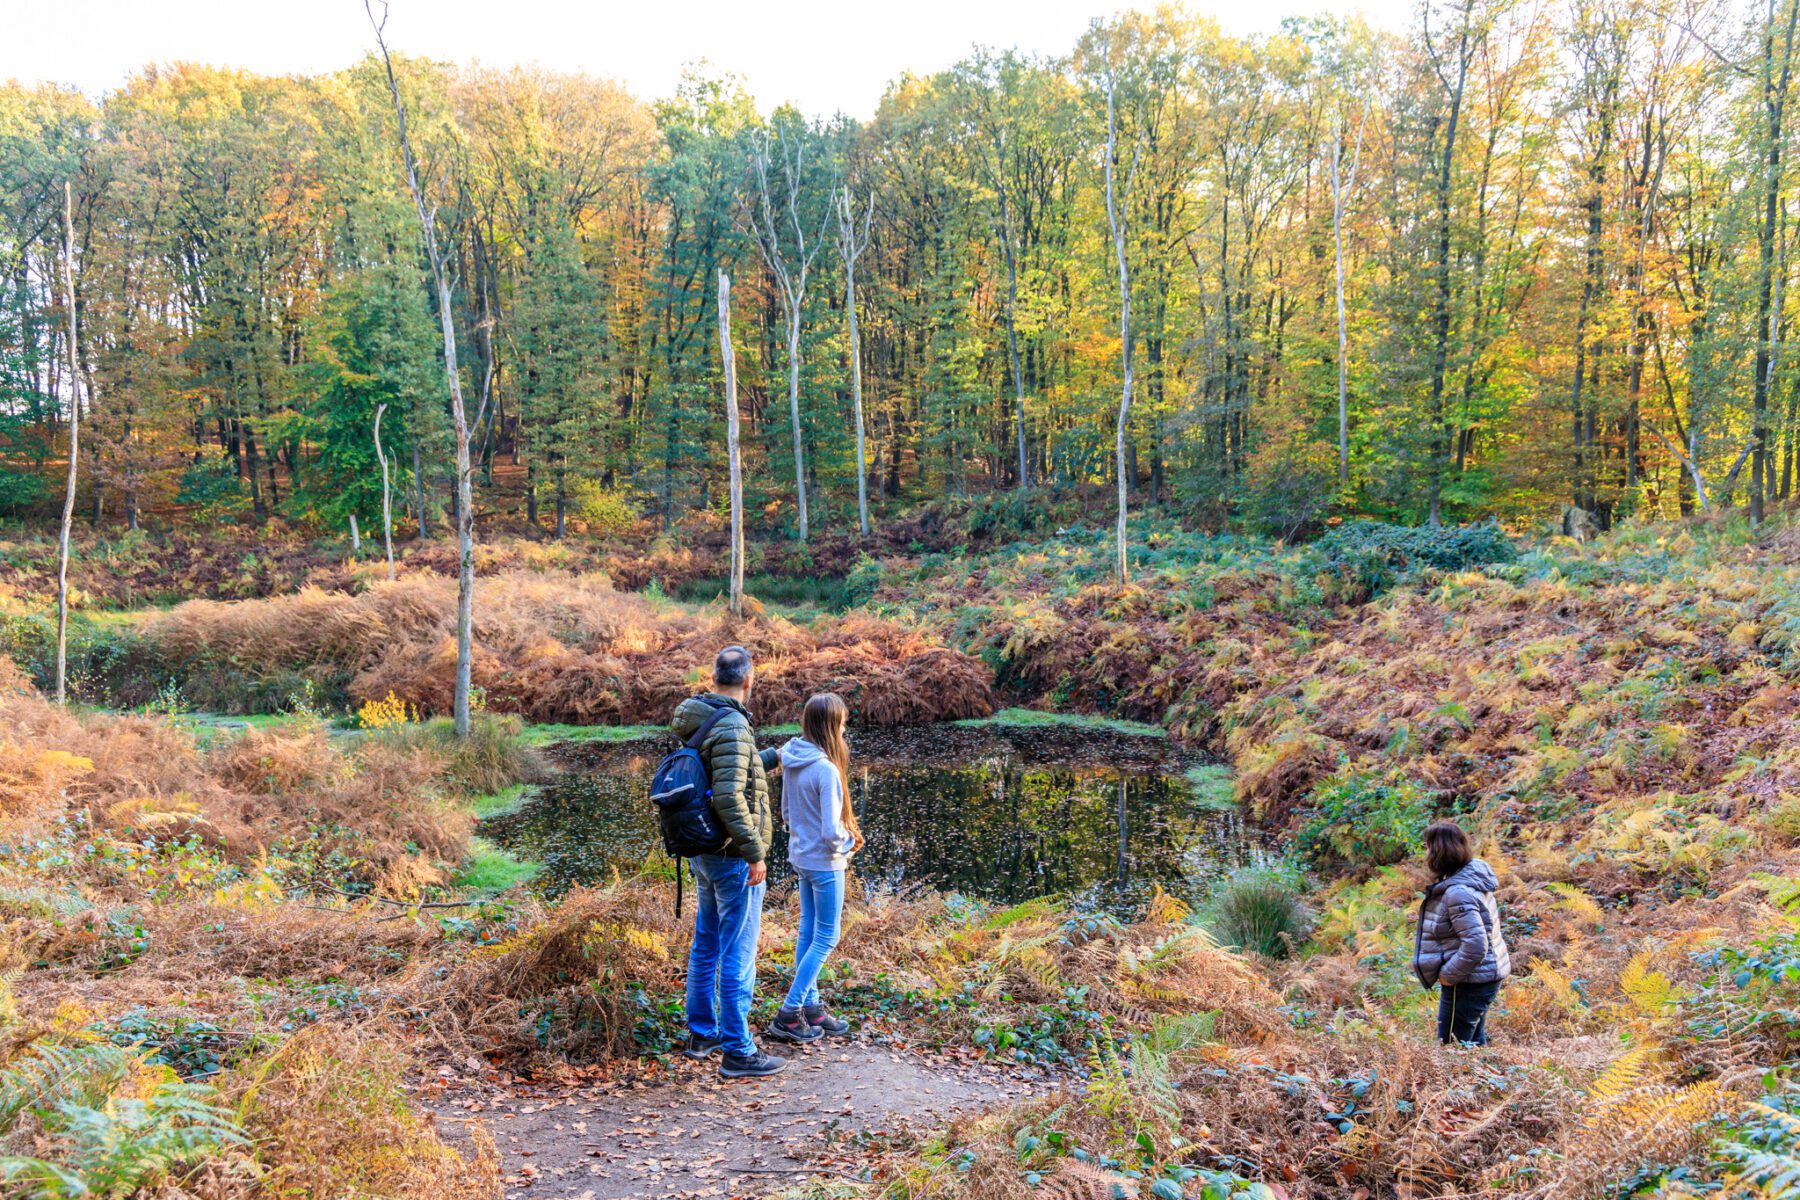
[998, 813]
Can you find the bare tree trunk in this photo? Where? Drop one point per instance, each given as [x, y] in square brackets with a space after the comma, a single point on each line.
[1118, 233]
[850, 248]
[794, 415]
[765, 229]
[1440, 320]
[355, 538]
[1339, 193]
[387, 503]
[465, 500]
[1012, 330]
[728, 357]
[1774, 98]
[68, 512]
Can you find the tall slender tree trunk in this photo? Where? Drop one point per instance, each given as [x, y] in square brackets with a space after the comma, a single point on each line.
[1775, 89]
[387, 495]
[850, 248]
[68, 512]
[1339, 193]
[418, 456]
[1118, 232]
[728, 358]
[465, 500]
[856, 404]
[1440, 315]
[1012, 334]
[793, 342]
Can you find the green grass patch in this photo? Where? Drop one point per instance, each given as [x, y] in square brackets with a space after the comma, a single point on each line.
[498, 803]
[488, 868]
[550, 735]
[1031, 718]
[1212, 786]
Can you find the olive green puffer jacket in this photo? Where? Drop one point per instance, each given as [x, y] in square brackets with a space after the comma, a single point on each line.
[739, 772]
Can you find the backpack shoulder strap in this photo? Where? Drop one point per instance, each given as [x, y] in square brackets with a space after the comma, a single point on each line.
[706, 727]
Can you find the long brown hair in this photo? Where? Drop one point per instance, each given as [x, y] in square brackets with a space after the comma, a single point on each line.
[822, 723]
[1447, 848]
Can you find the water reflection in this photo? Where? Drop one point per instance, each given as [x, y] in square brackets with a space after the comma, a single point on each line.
[998, 826]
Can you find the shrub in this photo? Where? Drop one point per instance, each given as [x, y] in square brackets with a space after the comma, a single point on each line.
[390, 712]
[1361, 819]
[1257, 909]
[20, 490]
[863, 581]
[493, 757]
[330, 1113]
[215, 489]
[1376, 555]
[605, 511]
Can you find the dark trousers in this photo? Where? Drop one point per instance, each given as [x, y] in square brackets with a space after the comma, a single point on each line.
[1462, 1012]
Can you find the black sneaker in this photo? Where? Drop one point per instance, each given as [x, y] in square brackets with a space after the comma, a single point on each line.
[791, 1025]
[752, 1065]
[699, 1048]
[825, 1023]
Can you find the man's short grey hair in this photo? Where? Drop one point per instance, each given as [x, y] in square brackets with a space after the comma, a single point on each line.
[732, 667]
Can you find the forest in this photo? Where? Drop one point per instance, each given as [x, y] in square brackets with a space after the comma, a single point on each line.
[1514, 259]
[1201, 463]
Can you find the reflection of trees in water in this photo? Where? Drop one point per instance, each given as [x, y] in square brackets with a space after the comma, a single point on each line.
[994, 828]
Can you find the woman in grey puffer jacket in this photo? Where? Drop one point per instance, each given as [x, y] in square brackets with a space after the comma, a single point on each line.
[1460, 948]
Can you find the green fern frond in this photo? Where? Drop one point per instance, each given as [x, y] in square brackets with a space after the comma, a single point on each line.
[50, 1076]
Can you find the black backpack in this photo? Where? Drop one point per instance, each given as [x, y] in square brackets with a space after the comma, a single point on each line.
[681, 789]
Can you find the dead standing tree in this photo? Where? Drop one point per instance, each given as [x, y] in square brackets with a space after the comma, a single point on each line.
[728, 360]
[1115, 217]
[1341, 191]
[387, 503]
[68, 512]
[441, 277]
[850, 244]
[998, 136]
[767, 216]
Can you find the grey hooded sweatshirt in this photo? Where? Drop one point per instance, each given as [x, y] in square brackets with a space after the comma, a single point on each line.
[1459, 937]
[812, 805]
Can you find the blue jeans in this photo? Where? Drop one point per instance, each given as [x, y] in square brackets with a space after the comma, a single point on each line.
[1462, 1012]
[821, 917]
[721, 980]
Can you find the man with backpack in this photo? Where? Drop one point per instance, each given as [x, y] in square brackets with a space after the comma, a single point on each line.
[729, 874]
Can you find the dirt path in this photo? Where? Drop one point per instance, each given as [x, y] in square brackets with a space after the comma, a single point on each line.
[685, 1133]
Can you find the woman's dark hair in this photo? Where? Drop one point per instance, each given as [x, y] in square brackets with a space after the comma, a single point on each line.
[1447, 848]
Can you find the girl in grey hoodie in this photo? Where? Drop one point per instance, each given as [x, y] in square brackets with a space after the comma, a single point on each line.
[822, 835]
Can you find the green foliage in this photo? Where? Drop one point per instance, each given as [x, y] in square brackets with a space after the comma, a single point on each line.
[1377, 555]
[214, 489]
[605, 511]
[96, 1141]
[1363, 819]
[20, 491]
[1257, 909]
[863, 581]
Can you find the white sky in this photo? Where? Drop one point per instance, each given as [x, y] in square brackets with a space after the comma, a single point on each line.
[824, 55]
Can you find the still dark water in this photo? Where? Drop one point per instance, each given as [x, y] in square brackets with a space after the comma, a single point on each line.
[999, 817]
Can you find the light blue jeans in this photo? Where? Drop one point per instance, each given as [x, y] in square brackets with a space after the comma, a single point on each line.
[721, 982]
[821, 918]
